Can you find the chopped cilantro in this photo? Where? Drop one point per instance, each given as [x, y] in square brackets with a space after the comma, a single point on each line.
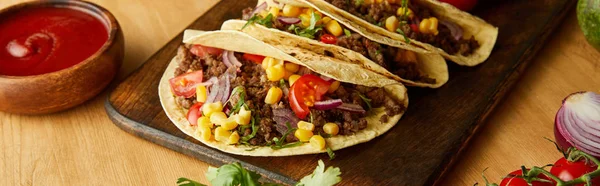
[279, 142]
[254, 130]
[237, 90]
[330, 153]
[406, 39]
[267, 21]
[365, 99]
[347, 32]
[358, 2]
[251, 149]
[311, 30]
[188, 182]
[322, 176]
[295, 144]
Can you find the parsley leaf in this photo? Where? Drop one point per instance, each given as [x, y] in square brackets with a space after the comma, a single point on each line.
[188, 182]
[232, 174]
[322, 177]
[330, 153]
[347, 32]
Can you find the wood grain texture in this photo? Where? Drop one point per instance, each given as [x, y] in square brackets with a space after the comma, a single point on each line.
[81, 146]
[417, 151]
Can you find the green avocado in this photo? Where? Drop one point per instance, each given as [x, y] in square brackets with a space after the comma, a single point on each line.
[588, 15]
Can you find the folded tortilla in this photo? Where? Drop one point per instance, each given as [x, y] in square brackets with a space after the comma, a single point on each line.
[483, 32]
[344, 72]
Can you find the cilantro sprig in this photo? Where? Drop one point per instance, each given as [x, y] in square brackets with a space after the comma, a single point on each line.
[311, 30]
[267, 21]
[234, 174]
[403, 21]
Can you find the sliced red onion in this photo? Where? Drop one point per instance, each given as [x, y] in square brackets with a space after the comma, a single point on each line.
[288, 20]
[226, 58]
[259, 8]
[281, 116]
[352, 108]
[233, 60]
[226, 90]
[455, 30]
[328, 104]
[209, 82]
[577, 123]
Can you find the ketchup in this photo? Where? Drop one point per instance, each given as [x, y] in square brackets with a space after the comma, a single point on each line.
[46, 39]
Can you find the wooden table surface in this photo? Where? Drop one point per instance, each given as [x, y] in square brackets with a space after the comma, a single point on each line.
[81, 146]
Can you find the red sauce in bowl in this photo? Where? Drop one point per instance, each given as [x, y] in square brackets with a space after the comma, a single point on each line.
[40, 40]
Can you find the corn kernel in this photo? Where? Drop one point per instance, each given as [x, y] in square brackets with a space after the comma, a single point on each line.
[429, 26]
[305, 18]
[204, 133]
[433, 27]
[243, 117]
[210, 108]
[275, 73]
[293, 79]
[303, 135]
[204, 121]
[201, 93]
[409, 12]
[263, 13]
[292, 67]
[306, 125]
[291, 11]
[326, 20]
[229, 123]
[234, 138]
[391, 23]
[318, 142]
[274, 11]
[334, 28]
[269, 62]
[334, 86]
[217, 117]
[273, 95]
[331, 129]
[221, 134]
[378, 1]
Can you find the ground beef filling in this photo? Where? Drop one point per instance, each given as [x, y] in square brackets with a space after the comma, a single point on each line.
[376, 13]
[253, 80]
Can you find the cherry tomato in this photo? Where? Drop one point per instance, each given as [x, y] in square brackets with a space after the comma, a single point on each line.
[568, 171]
[305, 91]
[194, 113]
[185, 84]
[201, 51]
[328, 39]
[464, 5]
[258, 59]
[512, 179]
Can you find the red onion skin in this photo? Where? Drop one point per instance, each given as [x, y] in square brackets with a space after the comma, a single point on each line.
[565, 139]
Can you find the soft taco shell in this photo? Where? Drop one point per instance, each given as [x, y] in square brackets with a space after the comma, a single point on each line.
[431, 64]
[483, 32]
[229, 40]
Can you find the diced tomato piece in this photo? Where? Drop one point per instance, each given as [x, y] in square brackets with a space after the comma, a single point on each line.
[258, 59]
[328, 39]
[194, 113]
[414, 28]
[305, 91]
[202, 51]
[185, 84]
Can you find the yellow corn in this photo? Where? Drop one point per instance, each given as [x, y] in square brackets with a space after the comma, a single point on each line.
[326, 20]
[409, 12]
[318, 142]
[204, 133]
[221, 134]
[292, 67]
[210, 108]
[201, 93]
[274, 11]
[331, 129]
[291, 11]
[263, 13]
[273, 95]
[204, 121]
[229, 123]
[391, 23]
[378, 1]
[217, 117]
[243, 117]
[305, 18]
[293, 79]
[275, 73]
[269, 62]
[303, 135]
[334, 28]
[306, 125]
[234, 138]
[334, 86]
[429, 26]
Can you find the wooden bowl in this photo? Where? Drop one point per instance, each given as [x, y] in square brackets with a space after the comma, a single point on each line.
[66, 88]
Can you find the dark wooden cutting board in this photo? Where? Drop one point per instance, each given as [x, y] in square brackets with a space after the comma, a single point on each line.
[417, 151]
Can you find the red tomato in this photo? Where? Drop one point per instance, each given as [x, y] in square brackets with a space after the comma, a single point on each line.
[258, 59]
[414, 27]
[464, 5]
[328, 39]
[568, 171]
[194, 113]
[307, 89]
[201, 51]
[512, 179]
[185, 84]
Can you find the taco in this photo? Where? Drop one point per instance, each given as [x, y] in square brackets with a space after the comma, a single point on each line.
[276, 24]
[239, 95]
[435, 26]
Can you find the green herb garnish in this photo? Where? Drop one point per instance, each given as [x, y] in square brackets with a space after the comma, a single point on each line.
[322, 176]
[237, 90]
[358, 2]
[347, 32]
[330, 153]
[406, 39]
[279, 142]
[295, 144]
[254, 130]
[188, 182]
[365, 99]
[403, 20]
[267, 21]
[311, 30]
[251, 149]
